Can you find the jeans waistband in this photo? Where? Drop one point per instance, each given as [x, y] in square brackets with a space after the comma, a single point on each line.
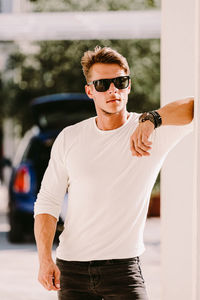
[100, 262]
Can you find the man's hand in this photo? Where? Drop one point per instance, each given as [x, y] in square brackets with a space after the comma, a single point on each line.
[49, 276]
[139, 143]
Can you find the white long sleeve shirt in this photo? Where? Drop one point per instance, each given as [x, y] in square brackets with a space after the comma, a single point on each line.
[108, 188]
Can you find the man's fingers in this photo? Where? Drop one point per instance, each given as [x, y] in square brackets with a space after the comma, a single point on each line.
[139, 143]
[45, 284]
[145, 141]
[134, 150]
[50, 280]
[138, 148]
[140, 151]
[57, 278]
[142, 146]
[49, 284]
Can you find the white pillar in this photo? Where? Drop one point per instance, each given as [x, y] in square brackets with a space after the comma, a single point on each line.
[196, 215]
[177, 175]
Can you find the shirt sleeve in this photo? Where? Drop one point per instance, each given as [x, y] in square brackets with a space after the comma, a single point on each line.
[54, 184]
[166, 137]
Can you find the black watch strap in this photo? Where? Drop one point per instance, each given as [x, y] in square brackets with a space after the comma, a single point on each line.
[157, 118]
[152, 116]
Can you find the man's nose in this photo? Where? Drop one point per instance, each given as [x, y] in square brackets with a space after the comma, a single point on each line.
[112, 88]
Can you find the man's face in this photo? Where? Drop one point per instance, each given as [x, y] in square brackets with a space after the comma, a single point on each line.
[102, 100]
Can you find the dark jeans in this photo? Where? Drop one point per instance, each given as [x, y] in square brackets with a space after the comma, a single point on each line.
[101, 279]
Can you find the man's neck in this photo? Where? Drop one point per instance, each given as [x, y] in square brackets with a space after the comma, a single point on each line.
[110, 123]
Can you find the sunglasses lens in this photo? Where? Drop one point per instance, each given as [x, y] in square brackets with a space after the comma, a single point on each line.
[101, 85]
[121, 82]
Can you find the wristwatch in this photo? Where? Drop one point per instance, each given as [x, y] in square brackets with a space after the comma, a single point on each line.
[152, 116]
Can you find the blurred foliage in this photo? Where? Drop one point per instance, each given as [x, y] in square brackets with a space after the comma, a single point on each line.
[56, 68]
[97, 5]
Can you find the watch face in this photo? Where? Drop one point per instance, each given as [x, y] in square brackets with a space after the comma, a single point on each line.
[142, 117]
[146, 116]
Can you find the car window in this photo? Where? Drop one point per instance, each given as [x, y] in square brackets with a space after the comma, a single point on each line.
[38, 154]
[62, 113]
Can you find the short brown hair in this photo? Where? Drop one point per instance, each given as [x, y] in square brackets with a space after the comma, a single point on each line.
[105, 55]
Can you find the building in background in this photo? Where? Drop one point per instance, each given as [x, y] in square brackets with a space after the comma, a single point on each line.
[15, 6]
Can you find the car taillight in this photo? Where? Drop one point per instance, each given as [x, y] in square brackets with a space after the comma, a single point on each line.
[22, 180]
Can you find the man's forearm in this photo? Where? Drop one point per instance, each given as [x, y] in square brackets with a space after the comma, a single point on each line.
[44, 229]
[179, 112]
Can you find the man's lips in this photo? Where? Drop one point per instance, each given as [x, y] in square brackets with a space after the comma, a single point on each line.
[113, 100]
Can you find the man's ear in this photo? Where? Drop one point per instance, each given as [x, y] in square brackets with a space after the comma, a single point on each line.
[129, 87]
[88, 91]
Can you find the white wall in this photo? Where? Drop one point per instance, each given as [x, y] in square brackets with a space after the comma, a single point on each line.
[6, 6]
[177, 81]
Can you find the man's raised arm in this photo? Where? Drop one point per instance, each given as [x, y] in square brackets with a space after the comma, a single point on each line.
[180, 112]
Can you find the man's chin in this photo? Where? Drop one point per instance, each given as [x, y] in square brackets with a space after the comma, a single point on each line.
[112, 111]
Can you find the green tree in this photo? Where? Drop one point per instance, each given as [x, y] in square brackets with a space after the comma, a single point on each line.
[57, 69]
[97, 5]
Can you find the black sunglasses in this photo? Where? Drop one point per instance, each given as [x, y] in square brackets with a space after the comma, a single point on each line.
[102, 85]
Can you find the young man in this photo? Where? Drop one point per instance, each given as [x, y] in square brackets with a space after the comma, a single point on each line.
[108, 164]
